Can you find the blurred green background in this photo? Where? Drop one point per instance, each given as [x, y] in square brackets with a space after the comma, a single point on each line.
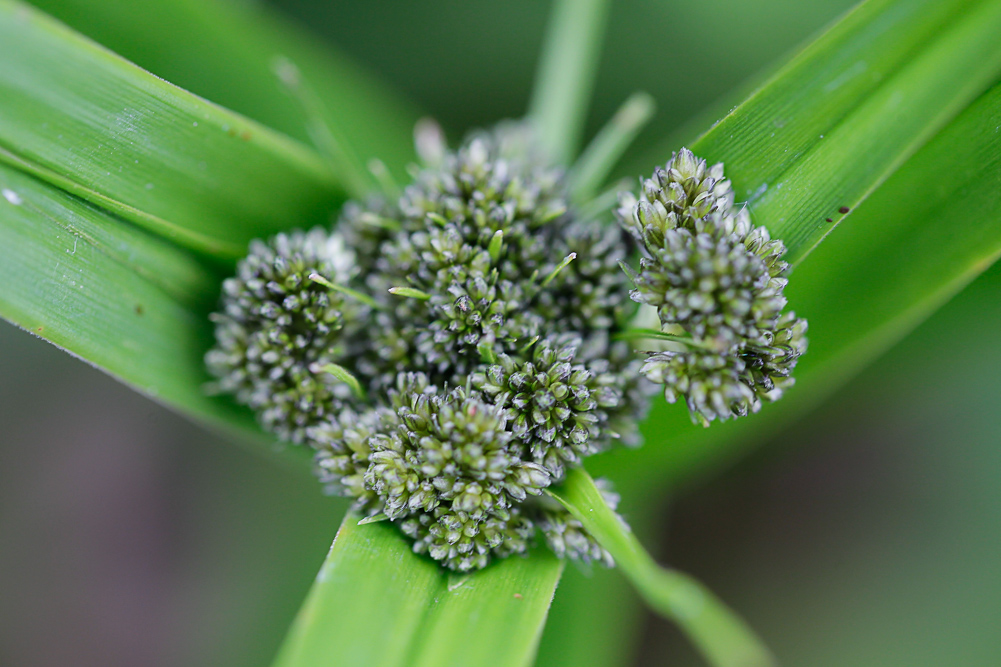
[868, 533]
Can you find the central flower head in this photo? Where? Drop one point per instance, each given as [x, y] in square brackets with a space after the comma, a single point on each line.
[482, 315]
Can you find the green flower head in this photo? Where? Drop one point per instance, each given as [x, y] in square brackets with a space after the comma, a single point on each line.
[717, 284]
[277, 323]
[451, 352]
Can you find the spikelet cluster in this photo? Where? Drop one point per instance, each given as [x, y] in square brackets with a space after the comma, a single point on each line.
[450, 353]
[477, 314]
[717, 283]
[276, 325]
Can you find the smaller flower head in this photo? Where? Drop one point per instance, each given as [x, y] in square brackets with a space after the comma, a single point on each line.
[717, 283]
[453, 473]
[276, 325]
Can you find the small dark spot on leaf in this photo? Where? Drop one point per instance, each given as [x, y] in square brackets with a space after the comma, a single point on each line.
[843, 209]
[39, 329]
[245, 135]
[517, 596]
[139, 309]
[231, 132]
[829, 220]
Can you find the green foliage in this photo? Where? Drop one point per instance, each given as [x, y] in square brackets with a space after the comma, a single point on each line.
[80, 117]
[227, 51]
[566, 75]
[819, 136]
[116, 296]
[719, 634]
[375, 603]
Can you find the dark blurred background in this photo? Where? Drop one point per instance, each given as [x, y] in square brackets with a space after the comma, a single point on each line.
[865, 534]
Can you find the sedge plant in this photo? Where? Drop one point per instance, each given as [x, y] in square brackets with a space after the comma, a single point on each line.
[455, 347]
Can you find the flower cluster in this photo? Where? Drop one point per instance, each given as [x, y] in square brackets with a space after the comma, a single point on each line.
[717, 285]
[451, 352]
[453, 363]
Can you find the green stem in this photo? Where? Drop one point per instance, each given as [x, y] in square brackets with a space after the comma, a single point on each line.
[335, 151]
[722, 637]
[566, 75]
[608, 146]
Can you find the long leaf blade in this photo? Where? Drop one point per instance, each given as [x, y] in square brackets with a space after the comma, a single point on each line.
[76, 111]
[377, 603]
[826, 129]
[113, 295]
[225, 51]
[868, 145]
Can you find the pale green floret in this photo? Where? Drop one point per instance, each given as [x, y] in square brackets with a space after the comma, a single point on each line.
[712, 384]
[343, 452]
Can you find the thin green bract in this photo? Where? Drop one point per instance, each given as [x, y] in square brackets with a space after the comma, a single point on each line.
[719, 634]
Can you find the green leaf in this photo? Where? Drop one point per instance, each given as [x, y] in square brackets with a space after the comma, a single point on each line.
[926, 233]
[831, 125]
[121, 299]
[596, 620]
[376, 603]
[225, 51]
[566, 75]
[368, 602]
[82, 118]
[719, 634]
[512, 595]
